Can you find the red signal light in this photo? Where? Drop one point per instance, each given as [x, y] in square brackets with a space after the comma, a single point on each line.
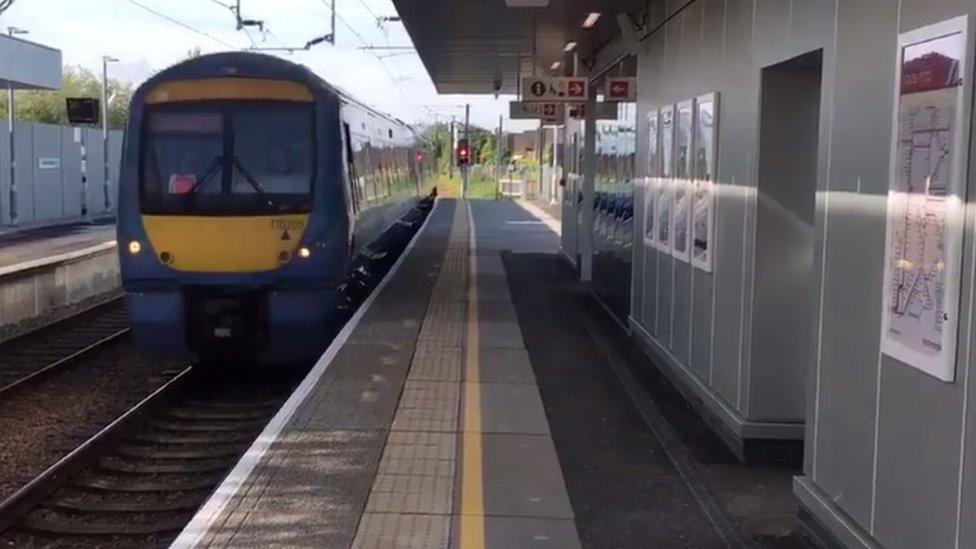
[463, 152]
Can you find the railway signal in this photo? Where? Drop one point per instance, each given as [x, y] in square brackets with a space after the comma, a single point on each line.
[463, 152]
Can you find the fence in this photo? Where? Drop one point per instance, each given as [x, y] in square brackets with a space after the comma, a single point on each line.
[49, 173]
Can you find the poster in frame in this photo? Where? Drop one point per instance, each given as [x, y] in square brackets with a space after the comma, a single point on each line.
[926, 197]
[703, 187]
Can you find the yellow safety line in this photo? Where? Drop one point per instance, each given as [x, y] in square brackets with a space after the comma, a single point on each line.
[472, 525]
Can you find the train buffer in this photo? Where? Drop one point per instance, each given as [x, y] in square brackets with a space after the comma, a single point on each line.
[482, 398]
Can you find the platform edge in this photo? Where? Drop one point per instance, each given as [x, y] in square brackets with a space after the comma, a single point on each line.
[193, 533]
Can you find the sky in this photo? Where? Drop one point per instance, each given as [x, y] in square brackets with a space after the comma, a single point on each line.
[144, 42]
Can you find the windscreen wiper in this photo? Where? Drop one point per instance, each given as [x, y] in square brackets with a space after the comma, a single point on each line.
[253, 182]
[207, 175]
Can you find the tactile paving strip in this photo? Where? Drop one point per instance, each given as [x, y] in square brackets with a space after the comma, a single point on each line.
[412, 497]
[428, 406]
[385, 530]
[433, 362]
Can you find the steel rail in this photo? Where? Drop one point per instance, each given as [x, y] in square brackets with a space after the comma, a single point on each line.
[31, 494]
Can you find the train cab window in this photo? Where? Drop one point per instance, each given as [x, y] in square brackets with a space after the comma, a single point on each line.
[228, 158]
[185, 152]
[273, 152]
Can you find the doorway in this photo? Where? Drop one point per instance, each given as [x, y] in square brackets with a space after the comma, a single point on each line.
[783, 300]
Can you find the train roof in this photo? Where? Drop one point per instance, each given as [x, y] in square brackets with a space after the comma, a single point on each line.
[254, 65]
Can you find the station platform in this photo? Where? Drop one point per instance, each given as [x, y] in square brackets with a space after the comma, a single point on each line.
[48, 268]
[479, 398]
[24, 249]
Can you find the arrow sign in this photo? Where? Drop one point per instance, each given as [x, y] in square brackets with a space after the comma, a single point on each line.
[549, 113]
[621, 89]
[554, 89]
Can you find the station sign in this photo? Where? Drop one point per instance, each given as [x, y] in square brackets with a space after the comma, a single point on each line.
[604, 111]
[622, 89]
[554, 89]
[548, 113]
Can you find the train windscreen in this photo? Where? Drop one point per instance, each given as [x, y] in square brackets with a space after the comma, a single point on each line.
[228, 159]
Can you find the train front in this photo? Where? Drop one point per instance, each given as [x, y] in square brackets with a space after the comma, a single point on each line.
[233, 228]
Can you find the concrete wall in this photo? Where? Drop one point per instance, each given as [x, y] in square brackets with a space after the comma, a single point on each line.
[889, 451]
[28, 291]
[52, 195]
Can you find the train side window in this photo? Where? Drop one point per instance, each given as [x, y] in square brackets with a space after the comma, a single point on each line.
[351, 168]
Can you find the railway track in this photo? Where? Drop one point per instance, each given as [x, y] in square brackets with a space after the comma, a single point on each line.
[31, 357]
[141, 479]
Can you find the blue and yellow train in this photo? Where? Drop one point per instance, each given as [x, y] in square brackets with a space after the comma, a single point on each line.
[251, 195]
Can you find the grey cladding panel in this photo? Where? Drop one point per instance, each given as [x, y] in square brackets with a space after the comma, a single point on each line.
[47, 179]
[918, 449]
[24, 146]
[681, 311]
[855, 232]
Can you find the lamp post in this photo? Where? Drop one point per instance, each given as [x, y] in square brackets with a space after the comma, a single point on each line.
[106, 180]
[12, 31]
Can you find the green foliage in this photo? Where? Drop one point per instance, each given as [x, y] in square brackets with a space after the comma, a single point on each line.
[484, 144]
[48, 107]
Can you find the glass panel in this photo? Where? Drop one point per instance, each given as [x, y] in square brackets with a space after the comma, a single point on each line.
[274, 148]
[184, 152]
[233, 157]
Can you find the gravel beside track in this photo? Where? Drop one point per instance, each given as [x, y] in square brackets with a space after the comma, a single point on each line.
[40, 425]
[146, 486]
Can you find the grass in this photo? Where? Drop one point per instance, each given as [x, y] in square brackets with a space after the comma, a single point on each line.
[479, 187]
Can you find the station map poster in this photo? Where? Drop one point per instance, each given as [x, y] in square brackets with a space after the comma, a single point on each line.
[703, 194]
[662, 196]
[681, 185]
[650, 182]
[926, 196]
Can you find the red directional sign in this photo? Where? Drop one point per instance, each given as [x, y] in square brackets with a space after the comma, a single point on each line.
[621, 89]
[576, 88]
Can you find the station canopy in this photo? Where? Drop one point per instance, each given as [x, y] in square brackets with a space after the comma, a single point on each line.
[26, 65]
[481, 46]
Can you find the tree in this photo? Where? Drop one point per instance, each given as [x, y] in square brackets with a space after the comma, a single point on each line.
[48, 107]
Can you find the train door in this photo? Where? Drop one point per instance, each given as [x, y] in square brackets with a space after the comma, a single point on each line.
[350, 170]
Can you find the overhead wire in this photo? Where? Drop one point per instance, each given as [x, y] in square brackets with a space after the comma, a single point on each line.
[181, 24]
[386, 69]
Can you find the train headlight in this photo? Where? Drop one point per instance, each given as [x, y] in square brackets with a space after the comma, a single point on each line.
[135, 247]
[304, 253]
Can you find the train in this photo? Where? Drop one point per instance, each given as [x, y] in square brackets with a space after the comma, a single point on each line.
[256, 203]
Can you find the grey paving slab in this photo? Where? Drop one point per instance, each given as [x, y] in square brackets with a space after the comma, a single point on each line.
[530, 533]
[523, 477]
[505, 334]
[308, 491]
[403, 531]
[510, 408]
[501, 365]
[361, 393]
[498, 310]
[385, 331]
[433, 362]
[428, 406]
[492, 287]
